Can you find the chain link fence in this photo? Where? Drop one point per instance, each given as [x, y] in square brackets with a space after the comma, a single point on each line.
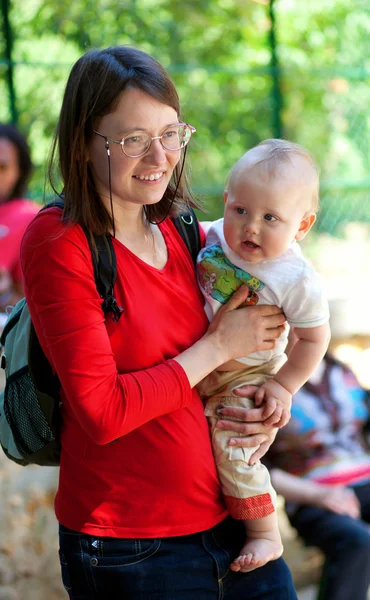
[307, 83]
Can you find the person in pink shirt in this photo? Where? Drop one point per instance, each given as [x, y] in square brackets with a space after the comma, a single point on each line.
[16, 212]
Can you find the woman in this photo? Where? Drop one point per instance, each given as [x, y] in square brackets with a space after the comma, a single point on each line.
[138, 502]
[322, 468]
[15, 211]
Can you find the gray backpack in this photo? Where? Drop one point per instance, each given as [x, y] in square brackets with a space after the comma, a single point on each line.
[29, 404]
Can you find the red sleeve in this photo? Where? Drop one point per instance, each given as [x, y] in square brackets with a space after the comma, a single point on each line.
[66, 311]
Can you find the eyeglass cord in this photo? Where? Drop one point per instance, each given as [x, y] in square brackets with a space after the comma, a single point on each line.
[110, 188]
[175, 192]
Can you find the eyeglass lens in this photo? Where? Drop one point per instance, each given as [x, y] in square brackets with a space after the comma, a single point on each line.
[173, 138]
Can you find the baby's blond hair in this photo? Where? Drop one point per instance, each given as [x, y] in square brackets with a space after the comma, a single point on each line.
[276, 158]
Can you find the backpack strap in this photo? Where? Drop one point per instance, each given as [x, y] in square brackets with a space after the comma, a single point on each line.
[58, 202]
[104, 262]
[105, 271]
[188, 227]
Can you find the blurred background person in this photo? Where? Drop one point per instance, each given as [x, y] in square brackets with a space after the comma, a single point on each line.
[16, 211]
[321, 465]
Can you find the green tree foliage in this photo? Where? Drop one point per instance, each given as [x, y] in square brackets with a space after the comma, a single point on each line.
[217, 52]
[325, 56]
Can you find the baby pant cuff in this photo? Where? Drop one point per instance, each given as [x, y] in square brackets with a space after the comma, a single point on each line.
[254, 507]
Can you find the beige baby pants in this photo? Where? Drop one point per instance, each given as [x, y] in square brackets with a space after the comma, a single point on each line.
[247, 488]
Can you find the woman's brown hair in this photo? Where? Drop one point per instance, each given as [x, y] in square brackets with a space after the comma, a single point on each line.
[95, 83]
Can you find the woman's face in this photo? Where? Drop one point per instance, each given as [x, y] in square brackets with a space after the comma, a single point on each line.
[9, 168]
[135, 111]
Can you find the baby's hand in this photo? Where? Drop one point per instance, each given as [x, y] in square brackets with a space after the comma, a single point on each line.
[273, 389]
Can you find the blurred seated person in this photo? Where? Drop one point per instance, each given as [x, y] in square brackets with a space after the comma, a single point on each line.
[16, 212]
[321, 465]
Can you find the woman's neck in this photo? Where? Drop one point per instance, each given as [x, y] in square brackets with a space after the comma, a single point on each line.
[142, 238]
[130, 223]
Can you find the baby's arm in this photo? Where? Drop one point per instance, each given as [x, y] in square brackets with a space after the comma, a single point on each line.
[303, 359]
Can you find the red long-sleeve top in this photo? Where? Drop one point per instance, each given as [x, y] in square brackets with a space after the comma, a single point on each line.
[136, 455]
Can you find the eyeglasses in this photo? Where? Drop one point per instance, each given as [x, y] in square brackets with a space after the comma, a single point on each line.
[138, 143]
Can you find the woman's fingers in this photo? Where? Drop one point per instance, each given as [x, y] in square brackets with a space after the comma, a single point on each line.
[249, 415]
[250, 441]
[272, 333]
[242, 428]
[272, 316]
[246, 391]
[274, 320]
[236, 299]
[271, 311]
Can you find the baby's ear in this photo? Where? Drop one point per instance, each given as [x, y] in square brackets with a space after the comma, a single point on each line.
[305, 225]
[226, 194]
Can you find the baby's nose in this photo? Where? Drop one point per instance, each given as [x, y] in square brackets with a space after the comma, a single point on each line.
[251, 226]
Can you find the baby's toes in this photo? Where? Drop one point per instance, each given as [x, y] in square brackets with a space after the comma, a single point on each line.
[246, 560]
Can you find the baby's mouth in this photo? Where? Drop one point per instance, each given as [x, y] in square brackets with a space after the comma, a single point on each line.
[251, 245]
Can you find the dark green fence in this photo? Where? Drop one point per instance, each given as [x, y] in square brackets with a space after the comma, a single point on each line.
[245, 71]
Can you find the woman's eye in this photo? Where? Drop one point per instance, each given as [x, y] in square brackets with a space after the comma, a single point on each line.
[170, 134]
[269, 217]
[241, 211]
[134, 139]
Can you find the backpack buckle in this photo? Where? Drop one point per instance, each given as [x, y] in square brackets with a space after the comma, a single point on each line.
[4, 362]
[187, 219]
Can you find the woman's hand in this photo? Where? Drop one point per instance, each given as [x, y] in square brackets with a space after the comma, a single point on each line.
[232, 334]
[250, 329]
[252, 423]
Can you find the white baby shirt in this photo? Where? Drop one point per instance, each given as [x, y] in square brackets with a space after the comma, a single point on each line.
[288, 281]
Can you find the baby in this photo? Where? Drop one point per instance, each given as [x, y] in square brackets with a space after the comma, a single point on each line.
[270, 204]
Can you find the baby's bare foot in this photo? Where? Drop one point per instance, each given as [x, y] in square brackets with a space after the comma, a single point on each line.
[256, 553]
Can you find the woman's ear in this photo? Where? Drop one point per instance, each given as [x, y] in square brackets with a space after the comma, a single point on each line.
[226, 193]
[305, 225]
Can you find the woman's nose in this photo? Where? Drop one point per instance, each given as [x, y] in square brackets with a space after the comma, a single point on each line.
[156, 152]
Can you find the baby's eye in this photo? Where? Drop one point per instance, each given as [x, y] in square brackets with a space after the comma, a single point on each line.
[270, 218]
[241, 211]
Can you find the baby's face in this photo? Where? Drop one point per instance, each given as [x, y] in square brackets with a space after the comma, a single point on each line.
[262, 219]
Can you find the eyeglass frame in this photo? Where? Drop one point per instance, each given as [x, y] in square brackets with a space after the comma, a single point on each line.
[156, 137]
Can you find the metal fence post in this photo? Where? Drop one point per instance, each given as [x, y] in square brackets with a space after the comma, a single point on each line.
[8, 37]
[277, 98]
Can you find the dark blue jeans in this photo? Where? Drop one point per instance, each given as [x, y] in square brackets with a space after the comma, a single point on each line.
[192, 567]
[346, 545]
